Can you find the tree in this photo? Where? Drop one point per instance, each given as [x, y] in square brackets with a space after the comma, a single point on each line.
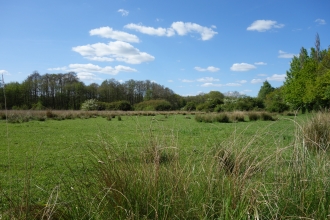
[265, 89]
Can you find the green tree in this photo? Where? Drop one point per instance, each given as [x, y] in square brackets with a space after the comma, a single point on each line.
[265, 89]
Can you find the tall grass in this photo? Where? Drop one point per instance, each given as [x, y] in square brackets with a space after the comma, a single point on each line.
[242, 177]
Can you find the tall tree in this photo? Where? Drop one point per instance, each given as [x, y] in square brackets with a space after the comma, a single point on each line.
[265, 89]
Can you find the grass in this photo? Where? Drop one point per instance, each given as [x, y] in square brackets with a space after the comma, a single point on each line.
[160, 166]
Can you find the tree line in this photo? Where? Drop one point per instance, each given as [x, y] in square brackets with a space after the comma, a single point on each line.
[66, 91]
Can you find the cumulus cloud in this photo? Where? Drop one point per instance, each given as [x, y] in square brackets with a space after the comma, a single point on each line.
[264, 25]
[241, 67]
[108, 32]
[242, 81]
[123, 12]
[118, 50]
[183, 28]
[277, 77]
[211, 85]
[150, 30]
[179, 27]
[88, 71]
[88, 77]
[219, 85]
[320, 21]
[260, 63]
[91, 68]
[209, 69]
[207, 79]
[4, 72]
[283, 54]
[254, 81]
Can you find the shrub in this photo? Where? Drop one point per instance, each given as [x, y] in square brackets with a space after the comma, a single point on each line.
[89, 105]
[153, 105]
[190, 106]
[38, 106]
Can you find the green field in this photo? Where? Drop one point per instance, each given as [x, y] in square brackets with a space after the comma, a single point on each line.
[166, 166]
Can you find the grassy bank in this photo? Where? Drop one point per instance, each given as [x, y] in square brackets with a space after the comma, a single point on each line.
[167, 166]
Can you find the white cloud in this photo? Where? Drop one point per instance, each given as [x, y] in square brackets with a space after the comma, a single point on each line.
[4, 72]
[283, 54]
[88, 77]
[277, 77]
[211, 85]
[181, 28]
[242, 81]
[108, 32]
[254, 81]
[320, 21]
[207, 79]
[184, 28]
[260, 63]
[262, 74]
[170, 81]
[123, 12]
[63, 68]
[219, 85]
[209, 69]
[150, 30]
[242, 67]
[118, 50]
[264, 25]
[91, 68]
[102, 59]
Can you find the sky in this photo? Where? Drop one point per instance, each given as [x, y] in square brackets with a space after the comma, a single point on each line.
[188, 46]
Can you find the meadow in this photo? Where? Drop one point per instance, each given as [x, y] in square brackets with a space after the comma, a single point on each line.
[168, 165]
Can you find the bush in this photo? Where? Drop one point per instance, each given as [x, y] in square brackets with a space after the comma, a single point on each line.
[89, 105]
[153, 105]
[190, 106]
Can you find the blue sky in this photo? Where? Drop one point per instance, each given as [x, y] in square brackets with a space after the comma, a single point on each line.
[188, 46]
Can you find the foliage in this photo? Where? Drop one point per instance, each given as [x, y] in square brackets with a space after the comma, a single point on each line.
[89, 105]
[153, 105]
[307, 82]
[190, 106]
[119, 105]
[66, 91]
[265, 89]
[275, 102]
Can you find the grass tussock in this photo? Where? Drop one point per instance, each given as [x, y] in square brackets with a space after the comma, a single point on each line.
[234, 117]
[317, 132]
